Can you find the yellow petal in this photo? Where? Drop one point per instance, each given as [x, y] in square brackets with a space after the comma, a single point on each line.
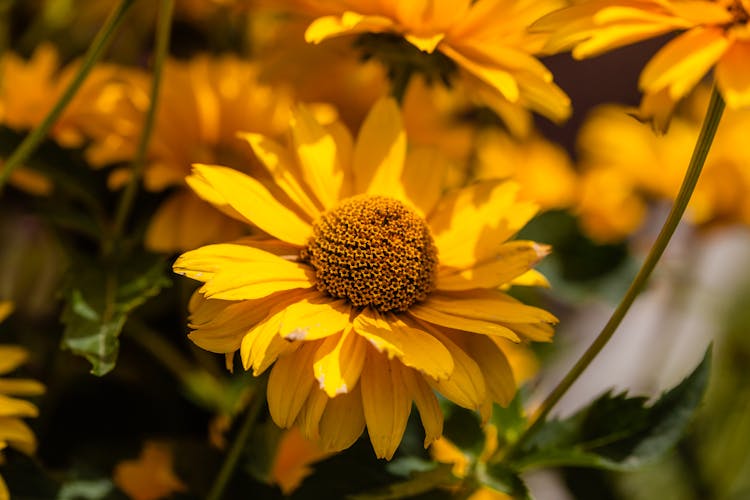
[425, 43]
[532, 277]
[277, 161]
[436, 317]
[206, 262]
[17, 434]
[413, 347]
[11, 357]
[338, 362]
[380, 151]
[512, 260]
[205, 191]
[427, 404]
[465, 386]
[312, 411]
[681, 63]
[261, 344]
[499, 79]
[733, 75]
[458, 222]
[316, 149]
[184, 222]
[4, 493]
[349, 23]
[20, 387]
[314, 317]
[424, 178]
[386, 403]
[11, 407]
[289, 385]
[498, 376]
[248, 197]
[291, 463]
[257, 280]
[6, 307]
[343, 421]
[488, 305]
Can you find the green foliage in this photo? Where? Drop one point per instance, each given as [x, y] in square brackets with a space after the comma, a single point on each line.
[419, 483]
[98, 302]
[617, 432]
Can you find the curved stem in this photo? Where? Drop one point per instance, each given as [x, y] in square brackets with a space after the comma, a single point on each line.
[702, 147]
[163, 31]
[32, 140]
[240, 440]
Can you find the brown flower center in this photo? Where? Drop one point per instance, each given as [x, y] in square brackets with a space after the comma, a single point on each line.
[373, 251]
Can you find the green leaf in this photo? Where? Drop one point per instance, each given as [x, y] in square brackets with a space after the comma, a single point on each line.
[510, 421]
[86, 489]
[500, 477]
[618, 432]
[98, 302]
[420, 482]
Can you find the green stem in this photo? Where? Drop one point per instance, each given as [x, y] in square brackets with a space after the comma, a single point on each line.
[702, 147]
[240, 440]
[163, 32]
[35, 137]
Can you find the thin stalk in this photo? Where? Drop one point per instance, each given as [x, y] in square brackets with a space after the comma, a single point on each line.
[35, 137]
[235, 452]
[163, 32]
[702, 147]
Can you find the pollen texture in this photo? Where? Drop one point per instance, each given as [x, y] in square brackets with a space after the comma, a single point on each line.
[373, 251]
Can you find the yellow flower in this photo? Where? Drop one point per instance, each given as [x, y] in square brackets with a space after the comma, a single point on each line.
[618, 155]
[31, 88]
[542, 169]
[13, 431]
[716, 34]
[487, 39]
[151, 475]
[371, 288]
[291, 464]
[204, 102]
[444, 451]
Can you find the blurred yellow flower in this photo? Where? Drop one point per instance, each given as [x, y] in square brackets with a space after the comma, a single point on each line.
[624, 166]
[294, 455]
[371, 289]
[487, 39]
[29, 90]
[444, 451]
[203, 103]
[151, 476]
[13, 431]
[715, 34]
[542, 169]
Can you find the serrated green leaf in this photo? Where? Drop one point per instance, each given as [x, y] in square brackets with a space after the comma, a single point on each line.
[420, 482]
[98, 302]
[617, 432]
[501, 478]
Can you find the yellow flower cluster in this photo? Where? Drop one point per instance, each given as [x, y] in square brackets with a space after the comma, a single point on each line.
[360, 247]
[13, 431]
[625, 167]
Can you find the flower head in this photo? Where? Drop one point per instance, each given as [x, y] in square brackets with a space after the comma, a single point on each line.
[617, 158]
[371, 288]
[203, 104]
[30, 88]
[715, 34]
[13, 431]
[486, 40]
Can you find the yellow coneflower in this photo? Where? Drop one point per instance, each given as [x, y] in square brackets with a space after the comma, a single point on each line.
[715, 34]
[371, 289]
